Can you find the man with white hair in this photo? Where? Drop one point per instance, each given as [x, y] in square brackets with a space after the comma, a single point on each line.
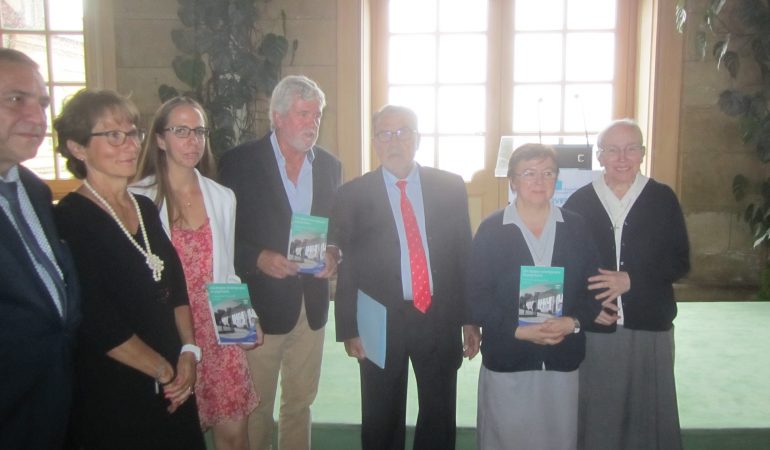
[282, 174]
[406, 235]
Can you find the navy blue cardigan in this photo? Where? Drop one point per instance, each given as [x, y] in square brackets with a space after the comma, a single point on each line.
[654, 251]
[494, 271]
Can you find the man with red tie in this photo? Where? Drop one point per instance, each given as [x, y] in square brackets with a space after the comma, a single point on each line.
[405, 235]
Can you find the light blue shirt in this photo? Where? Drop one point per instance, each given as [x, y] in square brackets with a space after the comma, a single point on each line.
[37, 229]
[300, 195]
[414, 194]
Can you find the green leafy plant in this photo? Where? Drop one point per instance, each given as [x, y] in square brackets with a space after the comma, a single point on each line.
[738, 34]
[229, 64]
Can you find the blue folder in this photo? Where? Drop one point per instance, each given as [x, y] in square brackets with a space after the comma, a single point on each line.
[372, 320]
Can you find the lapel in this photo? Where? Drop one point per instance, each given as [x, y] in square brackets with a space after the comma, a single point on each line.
[432, 208]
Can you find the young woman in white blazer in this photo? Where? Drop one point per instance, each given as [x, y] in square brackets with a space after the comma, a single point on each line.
[199, 216]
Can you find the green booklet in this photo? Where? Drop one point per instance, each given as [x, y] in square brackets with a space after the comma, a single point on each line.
[235, 322]
[541, 293]
[307, 242]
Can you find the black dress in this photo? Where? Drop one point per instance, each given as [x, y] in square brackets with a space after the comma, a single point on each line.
[116, 406]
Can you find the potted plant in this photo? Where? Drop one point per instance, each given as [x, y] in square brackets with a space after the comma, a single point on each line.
[229, 64]
[736, 35]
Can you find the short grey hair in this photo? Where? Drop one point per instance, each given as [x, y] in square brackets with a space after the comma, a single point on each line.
[625, 122]
[291, 88]
[386, 110]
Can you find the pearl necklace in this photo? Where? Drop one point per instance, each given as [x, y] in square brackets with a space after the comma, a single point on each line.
[153, 261]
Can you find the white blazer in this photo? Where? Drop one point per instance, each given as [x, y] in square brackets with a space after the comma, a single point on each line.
[219, 202]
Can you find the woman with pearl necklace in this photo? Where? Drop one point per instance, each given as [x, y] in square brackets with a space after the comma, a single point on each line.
[137, 353]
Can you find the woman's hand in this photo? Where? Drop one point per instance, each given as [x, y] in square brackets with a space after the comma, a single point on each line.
[260, 340]
[165, 373]
[181, 388]
[541, 333]
[613, 284]
[564, 325]
[609, 313]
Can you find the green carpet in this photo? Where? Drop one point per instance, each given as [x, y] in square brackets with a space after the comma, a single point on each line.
[722, 370]
[722, 365]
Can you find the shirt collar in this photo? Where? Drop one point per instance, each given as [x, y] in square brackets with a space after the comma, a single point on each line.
[511, 214]
[413, 178]
[601, 187]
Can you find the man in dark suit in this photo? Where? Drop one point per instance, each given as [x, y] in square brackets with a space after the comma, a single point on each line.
[405, 245]
[39, 297]
[284, 173]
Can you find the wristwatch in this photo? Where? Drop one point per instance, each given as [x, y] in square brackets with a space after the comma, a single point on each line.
[194, 349]
[576, 330]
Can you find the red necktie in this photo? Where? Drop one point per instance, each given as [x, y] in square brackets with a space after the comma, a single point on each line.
[417, 261]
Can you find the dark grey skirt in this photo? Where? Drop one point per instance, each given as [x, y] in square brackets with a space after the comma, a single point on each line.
[628, 393]
[527, 410]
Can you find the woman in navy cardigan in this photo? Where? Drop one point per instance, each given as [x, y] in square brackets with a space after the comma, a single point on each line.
[627, 390]
[532, 340]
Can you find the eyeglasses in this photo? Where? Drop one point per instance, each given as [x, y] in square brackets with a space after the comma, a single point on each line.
[402, 134]
[531, 175]
[116, 138]
[183, 132]
[630, 150]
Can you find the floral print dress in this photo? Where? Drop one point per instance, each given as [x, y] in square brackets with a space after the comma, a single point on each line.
[223, 386]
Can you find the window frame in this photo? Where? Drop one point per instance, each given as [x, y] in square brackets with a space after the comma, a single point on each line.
[99, 61]
[500, 31]
[101, 73]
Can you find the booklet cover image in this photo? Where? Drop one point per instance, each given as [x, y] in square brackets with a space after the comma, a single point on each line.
[307, 242]
[541, 293]
[235, 322]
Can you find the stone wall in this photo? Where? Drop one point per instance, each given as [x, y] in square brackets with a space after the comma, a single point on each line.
[144, 50]
[724, 265]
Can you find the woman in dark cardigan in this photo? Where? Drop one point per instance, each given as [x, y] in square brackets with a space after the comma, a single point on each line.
[627, 389]
[528, 384]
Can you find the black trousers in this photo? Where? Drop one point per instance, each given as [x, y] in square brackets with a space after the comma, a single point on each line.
[384, 391]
